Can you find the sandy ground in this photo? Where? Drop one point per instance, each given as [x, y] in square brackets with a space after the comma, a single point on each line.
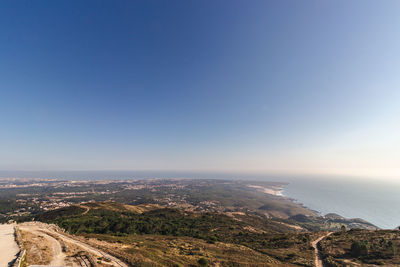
[8, 247]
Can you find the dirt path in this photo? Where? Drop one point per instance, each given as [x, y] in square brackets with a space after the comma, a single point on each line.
[91, 249]
[8, 247]
[59, 256]
[314, 244]
[85, 207]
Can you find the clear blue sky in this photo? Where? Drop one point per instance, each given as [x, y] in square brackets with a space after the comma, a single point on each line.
[274, 86]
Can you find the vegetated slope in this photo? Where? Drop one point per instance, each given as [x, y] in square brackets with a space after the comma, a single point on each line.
[356, 246]
[329, 222]
[197, 235]
[7, 206]
[118, 219]
[161, 250]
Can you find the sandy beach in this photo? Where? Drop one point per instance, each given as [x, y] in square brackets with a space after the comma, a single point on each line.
[8, 247]
[276, 191]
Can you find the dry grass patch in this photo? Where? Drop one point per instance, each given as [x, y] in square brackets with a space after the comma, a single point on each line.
[38, 249]
[156, 250]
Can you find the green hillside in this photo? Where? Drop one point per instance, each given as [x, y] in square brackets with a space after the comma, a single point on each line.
[113, 222]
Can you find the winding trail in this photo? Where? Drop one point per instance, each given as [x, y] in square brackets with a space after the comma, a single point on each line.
[318, 259]
[115, 261]
[55, 236]
[85, 207]
[58, 257]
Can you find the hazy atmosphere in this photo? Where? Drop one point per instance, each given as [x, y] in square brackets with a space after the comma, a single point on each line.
[207, 133]
[305, 87]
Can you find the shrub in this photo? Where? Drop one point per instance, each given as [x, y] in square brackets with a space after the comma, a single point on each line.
[203, 261]
[358, 249]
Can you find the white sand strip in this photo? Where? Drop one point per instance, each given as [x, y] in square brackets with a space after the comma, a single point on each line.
[276, 191]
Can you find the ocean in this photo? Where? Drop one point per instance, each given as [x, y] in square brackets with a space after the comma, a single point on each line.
[375, 201]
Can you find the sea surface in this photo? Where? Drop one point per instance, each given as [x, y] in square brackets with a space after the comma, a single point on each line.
[376, 201]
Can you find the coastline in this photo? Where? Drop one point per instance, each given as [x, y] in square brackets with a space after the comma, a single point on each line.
[347, 199]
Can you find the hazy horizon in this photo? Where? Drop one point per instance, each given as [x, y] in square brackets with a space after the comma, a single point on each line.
[185, 174]
[305, 88]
